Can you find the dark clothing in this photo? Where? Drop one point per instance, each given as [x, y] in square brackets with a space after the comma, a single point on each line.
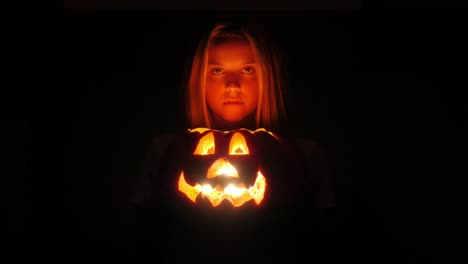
[298, 187]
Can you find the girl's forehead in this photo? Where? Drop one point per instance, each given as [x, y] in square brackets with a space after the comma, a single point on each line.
[236, 50]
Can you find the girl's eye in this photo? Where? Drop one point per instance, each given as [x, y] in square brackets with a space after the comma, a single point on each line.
[216, 71]
[248, 70]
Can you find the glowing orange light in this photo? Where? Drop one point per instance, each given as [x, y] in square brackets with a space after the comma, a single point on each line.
[237, 195]
[221, 168]
[238, 146]
[206, 145]
[201, 130]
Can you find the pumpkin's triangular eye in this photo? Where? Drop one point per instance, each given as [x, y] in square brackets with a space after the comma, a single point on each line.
[238, 146]
[206, 145]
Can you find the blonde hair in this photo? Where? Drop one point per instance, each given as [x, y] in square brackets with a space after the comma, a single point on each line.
[270, 111]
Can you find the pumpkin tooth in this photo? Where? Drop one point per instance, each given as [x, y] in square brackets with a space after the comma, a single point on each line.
[190, 191]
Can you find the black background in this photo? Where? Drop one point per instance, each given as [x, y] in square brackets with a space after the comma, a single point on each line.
[381, 91]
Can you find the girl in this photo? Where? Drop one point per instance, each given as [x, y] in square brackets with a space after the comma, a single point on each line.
[234, 82]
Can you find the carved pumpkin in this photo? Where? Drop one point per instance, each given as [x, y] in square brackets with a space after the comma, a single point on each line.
[226, 166]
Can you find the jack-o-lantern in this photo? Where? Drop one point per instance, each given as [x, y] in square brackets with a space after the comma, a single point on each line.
[226, 166]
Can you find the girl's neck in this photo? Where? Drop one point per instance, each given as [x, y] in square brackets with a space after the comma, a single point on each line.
[221, 124]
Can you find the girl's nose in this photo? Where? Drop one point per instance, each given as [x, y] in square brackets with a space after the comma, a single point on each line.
[232, 89]
[232, 84]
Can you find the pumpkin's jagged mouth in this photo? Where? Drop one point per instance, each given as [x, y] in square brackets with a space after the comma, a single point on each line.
[237, 195]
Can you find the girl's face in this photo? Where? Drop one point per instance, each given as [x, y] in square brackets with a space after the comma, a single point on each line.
[231, 80]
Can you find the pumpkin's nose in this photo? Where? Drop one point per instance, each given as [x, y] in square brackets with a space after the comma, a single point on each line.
[221, 167]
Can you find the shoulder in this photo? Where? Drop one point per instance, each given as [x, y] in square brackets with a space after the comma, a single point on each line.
[161, 142]
[143, 189]
[306, 147]
[314, 157]
[163, 139]
[158, 146]
[306, 144]
[310, 153]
